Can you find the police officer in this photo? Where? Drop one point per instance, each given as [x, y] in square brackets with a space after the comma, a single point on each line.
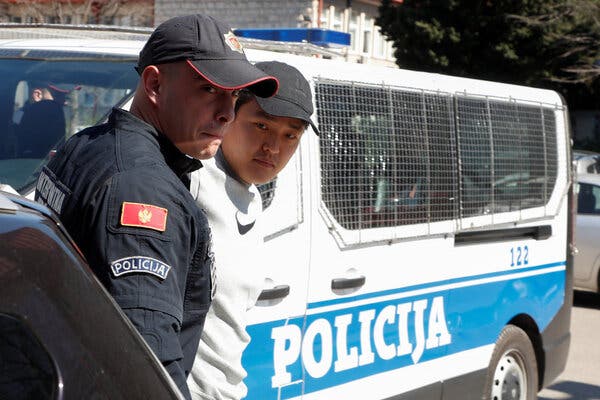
[122, 188]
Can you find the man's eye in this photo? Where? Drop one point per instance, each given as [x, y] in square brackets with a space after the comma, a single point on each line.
[210, 89]
[261, 126]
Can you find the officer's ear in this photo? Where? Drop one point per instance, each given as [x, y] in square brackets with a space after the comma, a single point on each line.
[151, 81]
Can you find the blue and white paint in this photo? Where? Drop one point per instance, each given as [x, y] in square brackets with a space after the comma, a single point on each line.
[347, 340]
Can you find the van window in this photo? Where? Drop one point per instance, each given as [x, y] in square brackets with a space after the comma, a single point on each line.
[507, 162]
[387, 155]
[426, 154]
[393, 156]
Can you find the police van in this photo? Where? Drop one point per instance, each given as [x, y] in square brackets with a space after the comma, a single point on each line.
[420, 246]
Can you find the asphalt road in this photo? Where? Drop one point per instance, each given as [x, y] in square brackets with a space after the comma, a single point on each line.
[581, 377]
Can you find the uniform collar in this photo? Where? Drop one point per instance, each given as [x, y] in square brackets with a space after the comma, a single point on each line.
[179, 162]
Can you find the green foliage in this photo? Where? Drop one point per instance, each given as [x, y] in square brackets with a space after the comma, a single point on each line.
[544, 43]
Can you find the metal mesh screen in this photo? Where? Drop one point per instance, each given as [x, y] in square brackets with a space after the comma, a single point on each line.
[506, 149]
[475, 154]
[387, 155]
[394, 156]
[551, 149]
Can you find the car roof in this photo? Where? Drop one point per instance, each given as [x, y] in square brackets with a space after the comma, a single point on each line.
[73, 38]
[119, 47]
[593, 179]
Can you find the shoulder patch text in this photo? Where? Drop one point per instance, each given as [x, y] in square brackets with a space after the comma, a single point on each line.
[140, 264]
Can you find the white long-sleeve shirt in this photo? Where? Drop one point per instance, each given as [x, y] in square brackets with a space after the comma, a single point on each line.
[232, 208]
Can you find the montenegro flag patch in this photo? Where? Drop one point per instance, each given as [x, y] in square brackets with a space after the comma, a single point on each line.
[144, 216]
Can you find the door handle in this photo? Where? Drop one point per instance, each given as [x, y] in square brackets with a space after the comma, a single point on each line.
[278, 292]
[347, 283]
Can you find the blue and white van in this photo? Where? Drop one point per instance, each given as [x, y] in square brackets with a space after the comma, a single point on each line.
[420, 247]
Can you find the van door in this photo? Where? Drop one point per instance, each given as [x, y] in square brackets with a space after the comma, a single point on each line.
[376, 312]
[371, 328]
[272, 359]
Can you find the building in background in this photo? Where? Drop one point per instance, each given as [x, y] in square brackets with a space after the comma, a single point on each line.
[105, 12]
[356, 17]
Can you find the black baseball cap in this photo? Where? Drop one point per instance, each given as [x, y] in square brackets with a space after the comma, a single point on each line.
[209, 47]
[294, 97]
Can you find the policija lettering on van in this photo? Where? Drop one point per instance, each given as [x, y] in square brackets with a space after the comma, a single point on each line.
[394, 331]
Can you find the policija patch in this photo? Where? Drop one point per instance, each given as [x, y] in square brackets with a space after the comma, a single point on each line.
[140, 264]
[144, 216]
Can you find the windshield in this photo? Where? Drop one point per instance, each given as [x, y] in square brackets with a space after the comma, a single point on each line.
[43, 101]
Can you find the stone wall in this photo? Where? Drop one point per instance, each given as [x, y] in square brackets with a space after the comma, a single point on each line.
[240, 13]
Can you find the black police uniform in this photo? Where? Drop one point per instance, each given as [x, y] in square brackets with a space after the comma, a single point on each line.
[121, 190]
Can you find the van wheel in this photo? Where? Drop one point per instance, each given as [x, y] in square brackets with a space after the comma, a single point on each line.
[512, 373]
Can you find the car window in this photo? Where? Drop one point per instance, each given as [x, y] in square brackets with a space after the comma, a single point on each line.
[26, 370]
[49, 96]
[588, 199]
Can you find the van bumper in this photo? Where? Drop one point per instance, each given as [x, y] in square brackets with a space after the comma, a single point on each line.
[556, 338]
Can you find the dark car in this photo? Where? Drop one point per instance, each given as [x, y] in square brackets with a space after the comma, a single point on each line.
[61, 334]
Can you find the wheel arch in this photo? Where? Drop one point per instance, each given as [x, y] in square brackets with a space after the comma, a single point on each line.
[527, 324]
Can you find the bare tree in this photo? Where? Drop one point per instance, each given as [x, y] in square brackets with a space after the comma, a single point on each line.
[572, 29]
[86, 11]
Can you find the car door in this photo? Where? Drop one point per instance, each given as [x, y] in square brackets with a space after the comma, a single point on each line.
[587, 235]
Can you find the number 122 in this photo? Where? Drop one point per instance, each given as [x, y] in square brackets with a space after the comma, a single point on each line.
[521, 254]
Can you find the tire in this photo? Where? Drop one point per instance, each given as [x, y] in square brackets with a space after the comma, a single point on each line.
[512, 373]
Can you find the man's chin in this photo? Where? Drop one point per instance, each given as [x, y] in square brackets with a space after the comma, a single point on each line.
[207, 151]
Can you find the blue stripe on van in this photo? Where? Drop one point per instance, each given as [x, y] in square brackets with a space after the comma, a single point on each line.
[430, 285]
[474, 315]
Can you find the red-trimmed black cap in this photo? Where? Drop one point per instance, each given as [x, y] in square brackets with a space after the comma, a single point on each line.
[211, 48]
[294, 97]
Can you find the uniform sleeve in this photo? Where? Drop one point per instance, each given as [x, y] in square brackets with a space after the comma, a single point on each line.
[146, 245]
[160, 331]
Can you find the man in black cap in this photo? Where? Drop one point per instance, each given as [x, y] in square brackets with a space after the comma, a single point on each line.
[258, 145]
[122, 188]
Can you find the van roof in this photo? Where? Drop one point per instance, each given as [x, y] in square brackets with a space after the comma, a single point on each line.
[378, 75]
[128, 41]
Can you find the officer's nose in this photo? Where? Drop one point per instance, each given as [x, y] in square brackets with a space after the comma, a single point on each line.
[226, 108]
